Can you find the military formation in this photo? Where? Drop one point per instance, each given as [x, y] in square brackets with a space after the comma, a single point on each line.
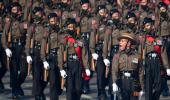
[64, 42]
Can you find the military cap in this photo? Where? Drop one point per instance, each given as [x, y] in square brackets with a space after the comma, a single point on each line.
[101, 7]
[147, 20]
[130, 15]
[84, 1]
[2, 1]
[70, 21]
[37, 9]
[113, 11]
[51, 15]
[162, 4]
[127, 35]
[15, 4]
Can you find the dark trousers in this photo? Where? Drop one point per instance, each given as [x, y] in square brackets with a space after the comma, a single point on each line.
[3, 68]
[128, 86]
[37, 71]
[54, 78]
[18, 67]
[101, 80]
[152, 78]
[74, 80]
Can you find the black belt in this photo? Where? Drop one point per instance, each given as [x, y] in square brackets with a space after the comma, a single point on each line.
[73, 57]
[53, 51]
[152, 55]
[16, 41]
[37, 45]
[132, 73]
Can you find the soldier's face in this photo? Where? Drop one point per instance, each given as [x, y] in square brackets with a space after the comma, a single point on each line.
[123, 44]
[39, 14]
[148, 26]
[162, 9]
[1, 6]
[102, 12]
[85, 6]
[115, 15]
[64, 1]
[52, 21]
[131, 20]
[143, 2]
[14, 10]
[70, 27]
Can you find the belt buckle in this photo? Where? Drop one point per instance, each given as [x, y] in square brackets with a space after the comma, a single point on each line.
[154, 54]
[74, 57]
[127, 74]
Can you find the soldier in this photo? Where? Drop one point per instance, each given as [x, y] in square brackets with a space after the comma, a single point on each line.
[76, 61]
[53, 54]
[85, 32]
[3, 68]
[164, 30]
[132, 24]
[127, 73]
[114, 26]
[150, 50]
[33, 48]
[99, 54]
[13, 41]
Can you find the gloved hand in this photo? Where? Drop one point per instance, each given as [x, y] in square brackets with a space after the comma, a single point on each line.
[106, 62]
[8, 52]
[63, 73]
[95, 56]
[141, 93]
[46, 65]
[114, 87]
[87, 72]
[168, 72]
[29, 59]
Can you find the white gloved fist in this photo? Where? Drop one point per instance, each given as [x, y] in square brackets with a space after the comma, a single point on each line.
[8, 52]
[63, 73]
[29, 59]
[46, 65]
[87, 72]
[95, 56]
[106, 62]
[141, 93]
[114, 87]
[168, 72]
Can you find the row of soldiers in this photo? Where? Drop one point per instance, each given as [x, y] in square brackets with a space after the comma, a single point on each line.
[124, 42]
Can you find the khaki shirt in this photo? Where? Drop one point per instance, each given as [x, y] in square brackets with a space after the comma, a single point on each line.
[126, 62]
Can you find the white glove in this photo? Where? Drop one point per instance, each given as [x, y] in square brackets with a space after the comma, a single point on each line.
[95, 56]
[141, 93]
[8, 52]
[63, 73]
[168, 72]
[87, 72]
[114, 87]
[29, 59]
[106, 62]
[46, 65]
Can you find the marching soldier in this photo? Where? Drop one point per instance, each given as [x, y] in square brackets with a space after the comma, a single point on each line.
[99, 54]
[3, 68]
[13, 41]
[85, 32]
[150, 50]
[114, 26]
[33, 48]
[163, 32]
[53, 54]
[76, 61]
[127, 73]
